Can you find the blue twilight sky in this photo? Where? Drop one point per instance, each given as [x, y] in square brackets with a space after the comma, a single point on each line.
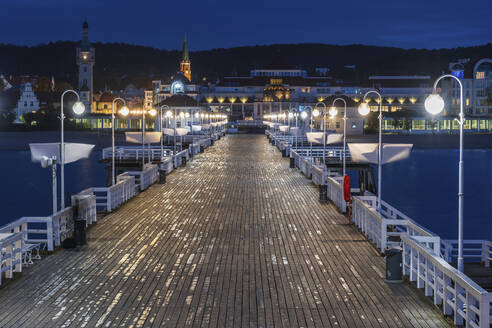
[229, 23]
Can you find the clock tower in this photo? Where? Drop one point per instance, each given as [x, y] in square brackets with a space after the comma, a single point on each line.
[185, 64]
[86, 58]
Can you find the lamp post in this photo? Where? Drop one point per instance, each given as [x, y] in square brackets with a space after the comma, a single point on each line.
[78, 108]
[310, 127]
[364, 110]
[434, 104]
[303, 117]
[112, 137]
[161, 108]
[324, 131]
[333, 113]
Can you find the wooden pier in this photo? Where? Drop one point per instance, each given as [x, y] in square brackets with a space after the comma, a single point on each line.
[235, 239]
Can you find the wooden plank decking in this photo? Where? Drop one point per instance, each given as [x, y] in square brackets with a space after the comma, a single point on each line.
[235, 239]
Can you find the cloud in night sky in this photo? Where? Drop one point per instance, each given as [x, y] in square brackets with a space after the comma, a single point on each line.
[221, 23]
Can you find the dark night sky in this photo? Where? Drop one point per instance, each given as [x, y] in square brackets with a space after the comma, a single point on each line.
[228, 23]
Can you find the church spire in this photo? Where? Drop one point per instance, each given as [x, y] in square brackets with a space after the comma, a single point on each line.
[85, 44]
[185, 64]
[186, 57]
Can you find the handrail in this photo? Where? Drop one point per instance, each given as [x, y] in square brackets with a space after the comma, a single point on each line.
[458, 295]
[473, 250]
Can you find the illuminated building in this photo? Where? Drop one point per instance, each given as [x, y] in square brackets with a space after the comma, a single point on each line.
[86, 58]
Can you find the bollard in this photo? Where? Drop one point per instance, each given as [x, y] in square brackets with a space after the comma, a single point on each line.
[292, 163]
[323, 193]
[284, 152]
[183, 161]
[201, 149]
[80, 232]
[162, 176]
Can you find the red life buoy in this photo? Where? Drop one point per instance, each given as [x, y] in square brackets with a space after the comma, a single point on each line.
[346, 188]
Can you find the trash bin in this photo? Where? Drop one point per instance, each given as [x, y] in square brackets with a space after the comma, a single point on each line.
[183, 161]
[80, 232]
[323, 193]
[292, 163]
[162, 176]
[394, 272]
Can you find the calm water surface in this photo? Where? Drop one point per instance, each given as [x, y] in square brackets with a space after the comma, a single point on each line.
[424, 187]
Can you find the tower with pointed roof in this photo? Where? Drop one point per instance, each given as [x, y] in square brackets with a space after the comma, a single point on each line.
[185, 64]
[86, 58]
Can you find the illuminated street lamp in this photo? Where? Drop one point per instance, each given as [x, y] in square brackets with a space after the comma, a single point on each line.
[161, 109]
[152, 112]
[434, 104]
[364, 110]
[304, 116]
[333, 113]
[113, 179]
[78, 108]
[316, 113]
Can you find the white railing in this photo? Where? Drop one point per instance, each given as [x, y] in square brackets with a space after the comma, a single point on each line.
[86, 207]
[318, 175]
[178, 158]
[473, 251]
[335, 192]
[317, 152]
[194, 148]
[458, 295]
[109, 198]
[50, 230]
[135, 152]
[11, 245]
[167, 165]
[306, 166]
[147, 177]
[385, 228]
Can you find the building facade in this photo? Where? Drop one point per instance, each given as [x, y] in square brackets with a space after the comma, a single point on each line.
[27, 103]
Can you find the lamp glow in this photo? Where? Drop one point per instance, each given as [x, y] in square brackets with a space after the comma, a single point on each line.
[169, 113]
[182, 115]
[364, 109]
[153, 112]
[78, 108]
[333, 111]
[316, 113]
[124, 111]
[197, 115]
[187, 115]
[291, 115]
[434, 104]
[304, 115]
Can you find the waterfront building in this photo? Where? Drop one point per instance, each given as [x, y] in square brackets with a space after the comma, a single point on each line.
[476, 76]
[27, 102]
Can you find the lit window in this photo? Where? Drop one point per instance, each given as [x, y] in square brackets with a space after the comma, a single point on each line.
[480, 75]
[467, 101]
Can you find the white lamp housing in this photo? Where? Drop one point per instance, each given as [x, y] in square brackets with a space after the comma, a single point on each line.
[434, 104]
[364, 109]
[333, 111]
[78, 108]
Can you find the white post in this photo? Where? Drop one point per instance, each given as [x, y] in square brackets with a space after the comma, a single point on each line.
[461, 122]
[113, 181]
[53, 175]
[62, 148]
[143, 139]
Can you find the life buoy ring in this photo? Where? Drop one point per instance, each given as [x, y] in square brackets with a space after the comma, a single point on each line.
[346, 188]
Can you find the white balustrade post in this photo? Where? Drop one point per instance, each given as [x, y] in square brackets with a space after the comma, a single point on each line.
[49, 235]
